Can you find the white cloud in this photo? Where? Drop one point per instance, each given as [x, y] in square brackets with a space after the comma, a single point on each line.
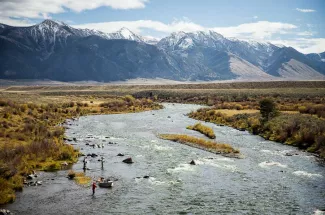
[305, 10]
[139, 25]
[34, 9]
[256, 30]
[262, 31]
[15, 22]
[305, 33]
[303, 45]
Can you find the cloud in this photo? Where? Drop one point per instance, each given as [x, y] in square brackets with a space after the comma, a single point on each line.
[305, 33]
[304, 45]
[305, 10]
[255, 17]
[12, 10]
[139, 25]
[255, 30]
[262, 31]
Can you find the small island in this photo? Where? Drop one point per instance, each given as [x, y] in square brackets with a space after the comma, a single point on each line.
[207, 145]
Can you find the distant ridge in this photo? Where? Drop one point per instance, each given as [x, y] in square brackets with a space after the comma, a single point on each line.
[54, 50]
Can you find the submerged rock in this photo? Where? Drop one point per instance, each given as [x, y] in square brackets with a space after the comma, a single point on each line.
[146, 176]
[192, 162]
[128, 160]
[120, 154]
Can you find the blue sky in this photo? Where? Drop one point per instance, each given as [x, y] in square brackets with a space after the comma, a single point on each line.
[295, 23]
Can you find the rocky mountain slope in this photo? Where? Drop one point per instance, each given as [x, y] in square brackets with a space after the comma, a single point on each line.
[57, 51]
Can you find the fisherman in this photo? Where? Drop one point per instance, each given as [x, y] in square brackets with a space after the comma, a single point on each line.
[102, 161]
[94, 187]
[85, 163]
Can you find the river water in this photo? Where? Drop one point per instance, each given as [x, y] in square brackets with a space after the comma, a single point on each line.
[265, 181]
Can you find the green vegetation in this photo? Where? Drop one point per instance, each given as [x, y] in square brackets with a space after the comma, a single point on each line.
[31, 137]
[267, 109]
[207, 145]
[304, 131]
[207, 131]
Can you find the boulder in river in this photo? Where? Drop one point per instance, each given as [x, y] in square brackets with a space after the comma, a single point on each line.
[5, 212]
[92, 155]
[128, 160]
[192, 162]
[120, 154]
[146, 176]
[74, 139]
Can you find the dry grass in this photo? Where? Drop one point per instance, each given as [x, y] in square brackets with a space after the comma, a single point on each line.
[234, 112]
[207, 131]
[301, 130]
[82, 179]
[200, 143]
[231, 112]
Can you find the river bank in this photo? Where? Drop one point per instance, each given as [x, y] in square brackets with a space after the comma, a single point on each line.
[32, 134]
[303, 131]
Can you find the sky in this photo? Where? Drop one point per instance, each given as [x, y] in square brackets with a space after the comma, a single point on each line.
[296, 23]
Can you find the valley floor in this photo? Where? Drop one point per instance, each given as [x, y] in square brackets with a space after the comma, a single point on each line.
[30, 115]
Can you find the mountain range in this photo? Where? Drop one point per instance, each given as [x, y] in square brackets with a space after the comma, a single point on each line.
[54, 50]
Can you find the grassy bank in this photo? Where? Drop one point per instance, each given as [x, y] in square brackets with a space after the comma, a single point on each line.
[211, 146]
[31, 138]
[207, 131]
[301, 130]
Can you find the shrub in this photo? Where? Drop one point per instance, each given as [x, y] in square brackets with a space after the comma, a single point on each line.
[267, 109]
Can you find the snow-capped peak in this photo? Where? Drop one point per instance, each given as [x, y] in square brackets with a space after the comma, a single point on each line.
[51, 23]
[125, 34]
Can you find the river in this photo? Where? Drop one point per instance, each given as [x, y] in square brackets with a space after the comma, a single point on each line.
[265, 181]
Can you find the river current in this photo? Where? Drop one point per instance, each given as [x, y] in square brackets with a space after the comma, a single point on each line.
[265, 181]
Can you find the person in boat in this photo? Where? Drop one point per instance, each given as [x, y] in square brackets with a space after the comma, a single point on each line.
[94, 187]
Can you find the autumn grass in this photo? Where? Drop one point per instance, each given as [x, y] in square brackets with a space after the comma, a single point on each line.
[79, 177]
[31, 132]
[201, 143]
[207, 131]
[296, 129]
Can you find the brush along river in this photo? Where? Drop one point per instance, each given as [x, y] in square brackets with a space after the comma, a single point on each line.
[266, 181]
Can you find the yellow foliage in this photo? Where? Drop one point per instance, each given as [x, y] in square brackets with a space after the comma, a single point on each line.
[199, 143]
[207, 131]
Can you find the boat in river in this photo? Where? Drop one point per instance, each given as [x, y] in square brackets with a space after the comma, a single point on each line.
[105, 184]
